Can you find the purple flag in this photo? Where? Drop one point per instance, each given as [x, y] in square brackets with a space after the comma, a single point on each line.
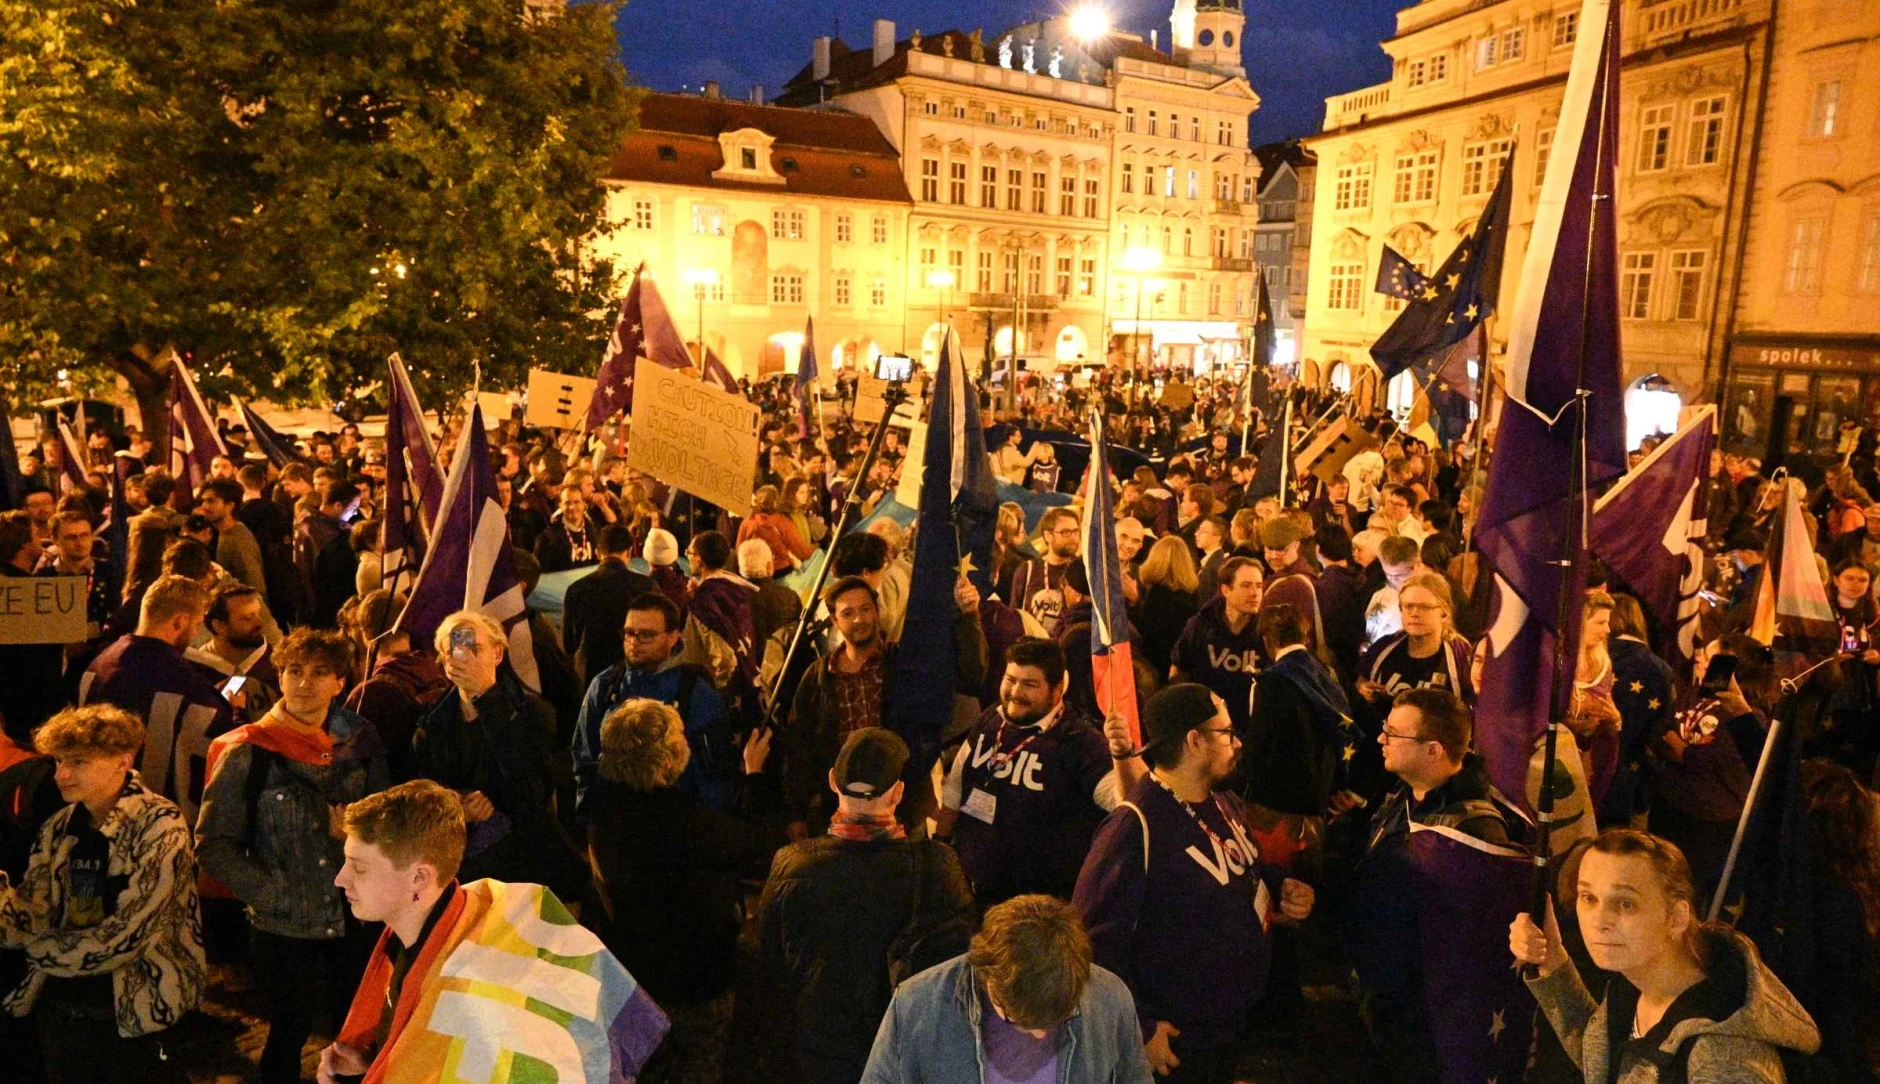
[806, 374]
[715, 372]
[470, 565]
[194, 442]
[722, 603]
[278, 449]
[643, 330]
[1112, 659]
[1649, 529]
[1467, 892]
[412, 480]
[1564, 337]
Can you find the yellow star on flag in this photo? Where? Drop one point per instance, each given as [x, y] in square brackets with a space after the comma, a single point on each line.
[1473, 309]
[1350, 751]
[1638, 686]
[967, 567]
[1652, 703]
[1451, 280]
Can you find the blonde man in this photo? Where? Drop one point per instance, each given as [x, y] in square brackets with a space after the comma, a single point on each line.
[107, 912]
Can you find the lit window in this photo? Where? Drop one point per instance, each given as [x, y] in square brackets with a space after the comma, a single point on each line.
[787, 225]
[1482, 164]
[1087, 277]
[1654, 138]
[1353, 190]
[1416, 177]
[1635, 285]
[708, 220]
[1824, 121]
[1194, 184]
[1802, 271]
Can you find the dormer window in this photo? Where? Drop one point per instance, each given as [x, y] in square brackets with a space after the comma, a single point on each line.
[747, 157]
[789, 165]
[667, 153]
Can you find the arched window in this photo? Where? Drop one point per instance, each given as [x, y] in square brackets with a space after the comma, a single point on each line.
[1651, 406]
[1340, 377]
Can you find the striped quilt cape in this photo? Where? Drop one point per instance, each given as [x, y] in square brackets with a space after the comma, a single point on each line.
[508, 989]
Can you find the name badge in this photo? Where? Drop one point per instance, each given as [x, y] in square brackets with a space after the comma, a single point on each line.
[980, 806]
[1262, 903]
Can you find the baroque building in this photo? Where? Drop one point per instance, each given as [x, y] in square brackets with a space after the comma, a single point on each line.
[1411, 163]
[753, 218]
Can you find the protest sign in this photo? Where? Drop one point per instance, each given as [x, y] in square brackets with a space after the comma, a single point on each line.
[907, 491]
[1334, 446]
[42, 610]
[871, 404]
[556, 400]
[693, 436]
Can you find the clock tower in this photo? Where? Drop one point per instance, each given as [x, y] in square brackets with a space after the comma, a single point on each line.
[1206, 34]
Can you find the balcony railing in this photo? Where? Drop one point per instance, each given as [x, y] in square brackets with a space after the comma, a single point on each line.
[1229, 206]
[1005, 302]
[1351, 108]
[1674, 19]
[1232, 263]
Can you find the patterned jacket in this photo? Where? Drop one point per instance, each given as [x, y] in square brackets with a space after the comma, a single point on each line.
[152, 944]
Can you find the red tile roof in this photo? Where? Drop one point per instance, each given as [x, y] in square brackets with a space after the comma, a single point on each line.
[817, 152]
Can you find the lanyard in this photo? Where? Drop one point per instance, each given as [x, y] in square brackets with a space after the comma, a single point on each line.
[1190, 810]
[1004, 756]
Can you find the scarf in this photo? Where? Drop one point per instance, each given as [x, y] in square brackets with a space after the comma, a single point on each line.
[506, 978]
[860, 827]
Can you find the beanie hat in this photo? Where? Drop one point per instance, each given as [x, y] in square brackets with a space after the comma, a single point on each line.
[661, 548]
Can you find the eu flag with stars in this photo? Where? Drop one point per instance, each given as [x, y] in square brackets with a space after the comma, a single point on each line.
[1455, 300]
[1398, 277]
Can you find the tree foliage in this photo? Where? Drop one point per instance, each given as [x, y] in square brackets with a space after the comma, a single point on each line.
[290, 190]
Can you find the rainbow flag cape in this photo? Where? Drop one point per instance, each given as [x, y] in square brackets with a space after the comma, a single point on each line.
[508, 989]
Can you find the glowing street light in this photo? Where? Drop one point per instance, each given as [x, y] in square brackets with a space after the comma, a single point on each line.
[1089, 23]
[1139, 261]
[701, 279]
[942, 280]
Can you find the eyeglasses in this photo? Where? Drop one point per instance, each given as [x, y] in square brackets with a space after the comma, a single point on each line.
[1227, 730]
[643, 636]
[1386, 735]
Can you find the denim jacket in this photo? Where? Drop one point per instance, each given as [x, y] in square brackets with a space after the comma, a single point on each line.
[282, 865]
[931, 1033]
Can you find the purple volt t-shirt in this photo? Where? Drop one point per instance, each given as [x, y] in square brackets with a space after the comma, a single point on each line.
[1013, 1056]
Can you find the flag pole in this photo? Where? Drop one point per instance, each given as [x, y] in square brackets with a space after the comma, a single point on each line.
[892, 397]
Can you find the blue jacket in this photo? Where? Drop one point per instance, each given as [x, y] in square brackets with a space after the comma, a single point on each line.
[931, 1033]
[713, 775]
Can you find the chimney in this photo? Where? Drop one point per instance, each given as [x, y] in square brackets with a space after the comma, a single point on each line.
[884, 41]
[757, 94]
[819, 60]
[712, 93]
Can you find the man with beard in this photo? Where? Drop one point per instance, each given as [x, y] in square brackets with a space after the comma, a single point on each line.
[1037, 586]
[1029, 785]
[1174, 892]
[238, 648]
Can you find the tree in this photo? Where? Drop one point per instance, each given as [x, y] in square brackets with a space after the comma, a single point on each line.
[290, 190]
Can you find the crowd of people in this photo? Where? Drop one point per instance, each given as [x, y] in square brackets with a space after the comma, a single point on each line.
[248, 762]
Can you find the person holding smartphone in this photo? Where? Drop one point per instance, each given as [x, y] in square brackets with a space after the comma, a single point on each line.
[1707, 757]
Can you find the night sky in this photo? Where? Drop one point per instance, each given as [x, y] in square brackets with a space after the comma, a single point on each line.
[1297, 53]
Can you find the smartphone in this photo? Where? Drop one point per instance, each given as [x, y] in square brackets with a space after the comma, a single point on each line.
[463, 639]
[234, 687]
[1717, 674]
[1850, 640]
[894, 368]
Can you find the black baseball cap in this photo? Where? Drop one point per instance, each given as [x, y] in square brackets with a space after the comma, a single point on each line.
[1172, 713]
[870, 762]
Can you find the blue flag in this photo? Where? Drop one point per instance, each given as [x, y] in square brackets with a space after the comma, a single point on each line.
[470, 565]
[959, 507]
[268, 440]
[1450, 304]
[1564, 337]
[806, 374]
[1398, 277]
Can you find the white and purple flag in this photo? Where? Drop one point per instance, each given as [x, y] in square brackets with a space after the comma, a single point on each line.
[413, 482]
[194, 441]
[469, 565]
[1649, 530]
[1563, 373]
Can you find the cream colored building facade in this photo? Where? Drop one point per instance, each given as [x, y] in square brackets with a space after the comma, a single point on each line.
[1804, 347]
[752, 218]
[1411, 163]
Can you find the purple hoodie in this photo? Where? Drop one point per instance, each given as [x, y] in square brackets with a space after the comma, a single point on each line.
[1182, 932]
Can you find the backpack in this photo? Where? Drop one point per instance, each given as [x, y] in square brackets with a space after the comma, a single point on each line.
[923, 942]
[714, 747]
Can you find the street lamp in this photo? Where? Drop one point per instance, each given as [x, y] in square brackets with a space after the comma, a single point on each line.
[701, 279]
[942, 280]
[1139, 261]
[1088, 23]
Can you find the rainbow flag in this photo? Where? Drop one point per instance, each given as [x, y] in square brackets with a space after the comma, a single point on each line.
[1791, 600]
[508, 989]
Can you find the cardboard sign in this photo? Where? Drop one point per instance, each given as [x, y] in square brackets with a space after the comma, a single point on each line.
[907, 492]
[42, 610]
[693, 436]
[1334, 446]
[557, 401]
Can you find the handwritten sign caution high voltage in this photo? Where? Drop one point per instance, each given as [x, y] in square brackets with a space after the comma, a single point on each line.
[693, 436]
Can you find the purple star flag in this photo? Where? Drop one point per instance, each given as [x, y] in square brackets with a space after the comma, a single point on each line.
[644, 329]
[716, 372]
[1649, 529]
[194, 442]
[1112, 665]
[470, 565]
[1467, 892]
[413, 482]
[807, 372]
[278, 448]
[1564, 337]
[959, 505]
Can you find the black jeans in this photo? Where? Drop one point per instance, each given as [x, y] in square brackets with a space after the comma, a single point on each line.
[82, 1047]
[299, 977]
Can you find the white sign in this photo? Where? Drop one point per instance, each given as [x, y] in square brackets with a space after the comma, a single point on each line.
[557, 401]
[693, 436]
